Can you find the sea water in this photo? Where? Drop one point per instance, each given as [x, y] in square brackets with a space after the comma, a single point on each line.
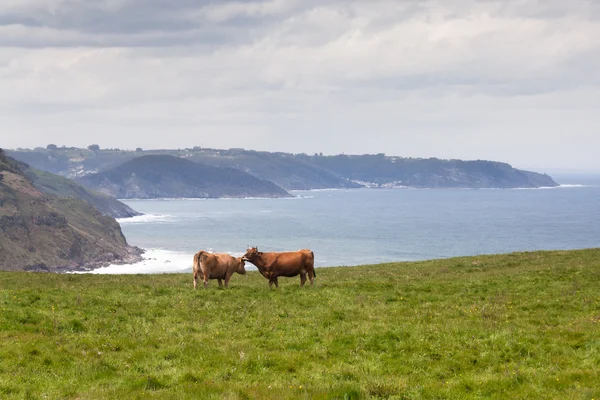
[366, 226]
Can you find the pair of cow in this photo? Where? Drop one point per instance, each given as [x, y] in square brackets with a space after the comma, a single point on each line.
[221, 266]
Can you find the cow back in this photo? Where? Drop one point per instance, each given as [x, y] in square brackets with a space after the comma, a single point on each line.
[216, 265]
[292, 263]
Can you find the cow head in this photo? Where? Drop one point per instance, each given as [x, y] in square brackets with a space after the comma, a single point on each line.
[239, 268]
[251, 254]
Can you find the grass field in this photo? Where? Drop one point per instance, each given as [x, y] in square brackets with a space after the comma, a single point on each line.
[523, 325]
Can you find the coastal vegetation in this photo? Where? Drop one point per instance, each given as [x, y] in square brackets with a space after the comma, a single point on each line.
[523, 325]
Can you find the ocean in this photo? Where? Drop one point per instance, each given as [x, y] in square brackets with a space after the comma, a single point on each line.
[367, 226]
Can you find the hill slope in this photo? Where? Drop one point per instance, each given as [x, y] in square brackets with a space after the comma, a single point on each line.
[60, 186]
[379, 170]
[163, 176]
[45, 232]
[286, 170]
[301, 171]
[515, 326]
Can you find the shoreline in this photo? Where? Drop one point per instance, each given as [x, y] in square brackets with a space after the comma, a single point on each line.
[105, 268]
[561, 186]
[176, 266]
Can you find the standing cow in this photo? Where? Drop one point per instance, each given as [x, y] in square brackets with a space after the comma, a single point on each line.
[274, 265]
[216, 266]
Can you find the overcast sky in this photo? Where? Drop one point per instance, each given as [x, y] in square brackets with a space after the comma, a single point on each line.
[515, 80]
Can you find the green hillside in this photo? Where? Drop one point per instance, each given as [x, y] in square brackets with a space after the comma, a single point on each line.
[517, 326]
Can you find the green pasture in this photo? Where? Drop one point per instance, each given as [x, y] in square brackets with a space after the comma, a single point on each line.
[517, 326]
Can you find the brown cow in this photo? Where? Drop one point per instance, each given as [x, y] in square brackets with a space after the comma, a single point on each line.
[216, 266]
[273, 265]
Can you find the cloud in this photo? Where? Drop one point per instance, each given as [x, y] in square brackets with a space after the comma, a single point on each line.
[284, 71]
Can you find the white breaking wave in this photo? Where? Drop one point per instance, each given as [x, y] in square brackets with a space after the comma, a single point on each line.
[318, 190]
[567, 186]
[155, 261]
[144, 219]
[575, 185]
[159, 261]
[201, 199]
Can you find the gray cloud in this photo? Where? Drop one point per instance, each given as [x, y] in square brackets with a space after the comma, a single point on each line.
[423, 78]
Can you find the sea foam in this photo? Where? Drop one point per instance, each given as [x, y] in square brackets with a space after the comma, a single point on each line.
[144, 219]
[159, 261]
[565, 186]
[574, 186]
[155, 261]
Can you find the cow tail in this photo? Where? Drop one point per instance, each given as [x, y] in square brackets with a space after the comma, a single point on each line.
[196, 263]
[312, 262]
[203, 256]
[198, 258]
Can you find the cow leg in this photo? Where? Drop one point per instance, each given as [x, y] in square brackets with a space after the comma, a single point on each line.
[195, 279]
[205, 281]
[227, 278]
[302, 278]
[311, 277]
[276, 283]
[220, 282]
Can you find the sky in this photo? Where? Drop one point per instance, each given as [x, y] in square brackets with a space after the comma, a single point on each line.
[514, 80]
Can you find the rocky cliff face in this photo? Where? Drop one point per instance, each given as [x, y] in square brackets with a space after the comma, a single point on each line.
[48, 233]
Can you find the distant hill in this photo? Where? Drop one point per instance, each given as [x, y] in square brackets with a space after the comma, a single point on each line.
[164, 176]
[289, 171]
[43, 232]
[381, 171]
[283, 169]
[72, 162]
[302, 171]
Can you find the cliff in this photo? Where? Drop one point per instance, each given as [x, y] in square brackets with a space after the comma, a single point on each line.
[43, 232]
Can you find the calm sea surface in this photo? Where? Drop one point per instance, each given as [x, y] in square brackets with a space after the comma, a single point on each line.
[364, 226]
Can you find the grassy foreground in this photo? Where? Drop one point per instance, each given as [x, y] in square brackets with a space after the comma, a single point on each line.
[523, 325]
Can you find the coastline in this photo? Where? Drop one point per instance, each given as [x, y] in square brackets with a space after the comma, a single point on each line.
[383, 227]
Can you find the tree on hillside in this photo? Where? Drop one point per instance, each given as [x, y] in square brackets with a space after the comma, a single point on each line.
[93, 147]
[51, 147]
[139, 150]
